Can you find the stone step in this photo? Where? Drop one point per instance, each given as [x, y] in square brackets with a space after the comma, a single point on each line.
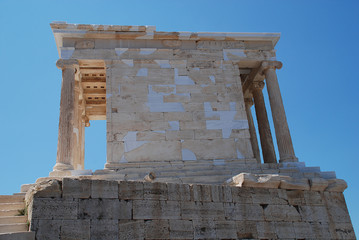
[11, 198]
[216, 168]
[194, 173]
[18, 236]
[12, 206]
[20, 194]
[215, 179]
[16, 227]
[13, 219]
[8, 213]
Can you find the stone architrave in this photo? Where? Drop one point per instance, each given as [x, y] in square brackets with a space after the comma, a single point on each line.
[284, 140]
[263, 124]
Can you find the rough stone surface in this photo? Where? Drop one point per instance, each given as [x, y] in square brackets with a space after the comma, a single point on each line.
[228, 212]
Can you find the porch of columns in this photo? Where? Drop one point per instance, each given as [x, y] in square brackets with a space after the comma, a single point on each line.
[284, 140]
[252, 130]
[70, 150]
[263, 123]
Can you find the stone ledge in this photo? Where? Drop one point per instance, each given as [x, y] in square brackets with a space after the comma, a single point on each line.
[286, 182]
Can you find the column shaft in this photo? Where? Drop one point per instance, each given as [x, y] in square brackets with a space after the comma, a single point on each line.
[252, 130]
[66, 139]
[263, 126]
[81, 138]
[284, 140]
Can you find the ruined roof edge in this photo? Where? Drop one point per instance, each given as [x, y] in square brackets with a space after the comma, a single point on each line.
[63, 29]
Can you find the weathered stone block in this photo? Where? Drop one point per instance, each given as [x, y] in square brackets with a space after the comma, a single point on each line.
[314, 213]
[207, 134]
[201, 193]
[199, 210]
[104, 189]
[204, 229]
[303, 230]
[129, 230]
[180, 135]
[336, 185]
[266, 230]
[278, 196]
[240, 212]
[48, 208]
[255, 180]
[165, 151]
[76, 188]
[157, 229]
[208, 149]
[150, 116]
[150, 136]
[227, 194]
[313, 198]
[157, 191]
[294, 183]
[226, 229]
[321, 230]
[155, 209]
[46, 189]
[177, 116]
[130, 190]
[246, 229]
[343, 231]
[242, 195]
[104, 229]
[75, 229]
[181, 229]
[295, 197]
[284, 230]
[318, 184]
[217, 193]
[46, 229]
[178, 192]
[281, 213]
[105, 209]
[82, 44]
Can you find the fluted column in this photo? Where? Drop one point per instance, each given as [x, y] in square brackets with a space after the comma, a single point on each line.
[81, 137]
[252, 130]
[67, 140]
[284, 140]
[263, 124]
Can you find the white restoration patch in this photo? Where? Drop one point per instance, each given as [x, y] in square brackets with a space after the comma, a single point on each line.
[147, 51]
[182, 80]
[142, 72]
[188, 155]
[120, 51]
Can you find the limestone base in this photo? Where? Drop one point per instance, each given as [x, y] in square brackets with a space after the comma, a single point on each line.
[98, 209]
[69, 173]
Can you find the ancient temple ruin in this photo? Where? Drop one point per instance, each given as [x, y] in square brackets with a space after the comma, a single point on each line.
[170, 99]
[183, 158]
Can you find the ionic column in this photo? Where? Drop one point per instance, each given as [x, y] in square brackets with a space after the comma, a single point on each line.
[252, 130]
[67, 140]
[284, 140]
[81, 136]
[263, 124]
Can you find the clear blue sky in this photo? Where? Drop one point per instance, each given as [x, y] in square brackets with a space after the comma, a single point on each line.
[319, 78]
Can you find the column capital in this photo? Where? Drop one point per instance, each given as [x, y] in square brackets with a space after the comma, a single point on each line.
[257, 85]
[270, 65]
[67, 63]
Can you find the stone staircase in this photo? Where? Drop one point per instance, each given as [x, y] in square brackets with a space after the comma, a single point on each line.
[13, 225]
